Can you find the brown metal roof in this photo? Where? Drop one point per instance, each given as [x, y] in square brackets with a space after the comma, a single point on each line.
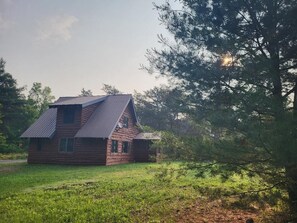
[82, 101]
[44, 127]
[148, 136]
[106, 117]
[101, 124]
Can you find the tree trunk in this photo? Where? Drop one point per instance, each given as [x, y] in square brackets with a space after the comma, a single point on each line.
[291, 172]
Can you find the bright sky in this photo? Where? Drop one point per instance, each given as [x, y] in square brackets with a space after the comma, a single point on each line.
[73, 44]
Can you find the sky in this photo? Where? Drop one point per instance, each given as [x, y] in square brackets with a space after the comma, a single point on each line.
[73, 44]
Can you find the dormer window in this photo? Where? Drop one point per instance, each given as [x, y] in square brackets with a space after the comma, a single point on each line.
[68, 116]
[125, 122]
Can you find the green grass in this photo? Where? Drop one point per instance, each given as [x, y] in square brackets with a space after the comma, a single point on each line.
[122, 193]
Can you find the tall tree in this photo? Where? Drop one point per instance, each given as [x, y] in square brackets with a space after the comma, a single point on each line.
[236, 60]
[86, 92]
[162, 108]
[109, 89]
[12, 107]
[2, 138]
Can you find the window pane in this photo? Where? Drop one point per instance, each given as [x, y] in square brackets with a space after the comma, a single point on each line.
[114, 146]
[70, 143]
[125, 122]
[68, 116]
[125, 147]
[63, 145]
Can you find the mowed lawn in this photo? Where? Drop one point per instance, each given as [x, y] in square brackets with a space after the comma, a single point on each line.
[121, 193]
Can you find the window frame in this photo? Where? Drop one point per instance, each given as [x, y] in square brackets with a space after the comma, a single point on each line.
[126, 122]
[125, 149]
[69, 145]
[114, 146]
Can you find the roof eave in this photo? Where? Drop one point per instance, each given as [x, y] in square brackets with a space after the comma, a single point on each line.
[56, 106]
[94, 102]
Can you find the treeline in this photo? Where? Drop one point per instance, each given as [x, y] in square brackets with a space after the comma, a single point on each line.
[17, 111]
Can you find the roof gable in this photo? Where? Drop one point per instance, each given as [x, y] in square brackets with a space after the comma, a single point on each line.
[105, 118]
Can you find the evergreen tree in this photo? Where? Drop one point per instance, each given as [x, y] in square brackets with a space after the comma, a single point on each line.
[86, 93]
[12, 107]
[236, 61]
[162, 108]
[2, 138]
[109, 89]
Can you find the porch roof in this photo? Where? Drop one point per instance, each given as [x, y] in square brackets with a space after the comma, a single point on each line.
[148, 136]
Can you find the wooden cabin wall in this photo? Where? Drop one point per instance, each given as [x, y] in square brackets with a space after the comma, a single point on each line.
[85, 151]
[121, 135]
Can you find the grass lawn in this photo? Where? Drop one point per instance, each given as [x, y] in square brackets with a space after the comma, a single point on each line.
[121, 193]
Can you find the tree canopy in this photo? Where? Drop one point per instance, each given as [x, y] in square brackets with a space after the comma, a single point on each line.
[40, 97]
[13, 115]
[236, 61]
[18, 112]
[109, 89]
[163, 108]
[85, 92]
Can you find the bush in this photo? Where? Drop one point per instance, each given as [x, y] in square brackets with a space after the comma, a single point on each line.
[11, 148]
[13, 156]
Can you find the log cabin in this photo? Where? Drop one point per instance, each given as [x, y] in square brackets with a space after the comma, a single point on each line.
[94, 130]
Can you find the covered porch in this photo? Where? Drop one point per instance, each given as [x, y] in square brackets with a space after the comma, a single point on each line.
[142, 147]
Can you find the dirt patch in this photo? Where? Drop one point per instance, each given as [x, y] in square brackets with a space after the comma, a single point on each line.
[213, 212]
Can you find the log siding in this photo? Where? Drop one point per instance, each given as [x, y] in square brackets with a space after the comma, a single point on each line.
[85, 151]
[122, 135]
[88, 150]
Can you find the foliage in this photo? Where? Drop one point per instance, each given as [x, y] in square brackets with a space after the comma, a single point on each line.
[166, 172]
[162, 108]
[13, 156]
[86, 92]
[13, 115]
[170, 146]
[12, 148]
[16, 112]
[40, 97]
[236, 62]
[109, 89]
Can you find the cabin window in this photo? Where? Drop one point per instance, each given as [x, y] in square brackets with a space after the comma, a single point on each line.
[125, 147]
[125, 122]
[66, 145]
[114, 146]
[68, 116]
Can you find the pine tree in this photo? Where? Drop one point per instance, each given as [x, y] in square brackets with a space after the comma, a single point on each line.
[12, 106]
[236, 60]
